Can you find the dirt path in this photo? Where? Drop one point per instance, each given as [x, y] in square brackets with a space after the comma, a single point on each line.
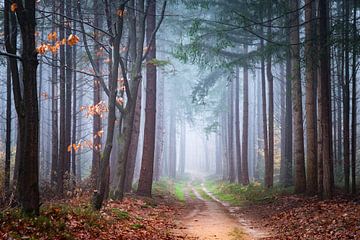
[209, 219]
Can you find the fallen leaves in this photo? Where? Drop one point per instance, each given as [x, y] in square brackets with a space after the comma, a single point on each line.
[131, 219]
[292, 217]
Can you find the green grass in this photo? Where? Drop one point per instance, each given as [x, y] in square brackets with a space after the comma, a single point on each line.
[237, 194]
[202, 193]
[120, 215]
[167, 186]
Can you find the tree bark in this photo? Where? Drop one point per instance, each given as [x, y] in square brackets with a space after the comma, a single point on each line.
[96, 151]
[62, 140]
[354, 106]
[134, 144]
[324, 98]
[300, 179]
[310, 105]
[245, 137]
[237, 126]
[147, 164]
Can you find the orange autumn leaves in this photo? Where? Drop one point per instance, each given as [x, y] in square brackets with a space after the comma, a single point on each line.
[53, 48]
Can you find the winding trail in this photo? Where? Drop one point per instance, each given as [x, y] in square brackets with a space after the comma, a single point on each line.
[207, 218]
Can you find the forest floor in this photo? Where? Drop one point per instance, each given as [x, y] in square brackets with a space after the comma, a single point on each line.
[134, 218]
[216, 210]
[189, 210]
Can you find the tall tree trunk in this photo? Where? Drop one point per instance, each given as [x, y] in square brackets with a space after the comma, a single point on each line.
[237, 125]
[267, 178]
[74, 113]
[54, 112]
[354, 107]
[245, 137]
[311, 141]
[62, 143]
[324, 98]
[8, 132]
[26, 107]
[147, 164]
[300, 179]
[346, 101]
[269, 165]
[103, 184]
[159, 144]
[96, 151]
[68, 96]
[231, 132]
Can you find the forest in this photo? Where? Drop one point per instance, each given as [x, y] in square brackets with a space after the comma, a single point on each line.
[179, 119]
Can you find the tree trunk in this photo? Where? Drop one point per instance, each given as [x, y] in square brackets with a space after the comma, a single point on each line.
[159, 144]
[269, 165]
[62, 146]
[245, 137]
[134, 144]
[147, 164]
[324, 98]
[346, 102]
[103, 185]
[300, 179]
[311, 141]
[8, 132]
[354, 107]
[54, 112]
[231, 132]
[28, 183]
[96, 151]
[183, 149]
[237, 126]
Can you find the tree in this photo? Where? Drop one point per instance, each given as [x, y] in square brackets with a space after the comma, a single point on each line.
[237, 126]
[324, 99]
[147, 164]
[311, 141]
[26, 104]
[245, 140]
[298, 144]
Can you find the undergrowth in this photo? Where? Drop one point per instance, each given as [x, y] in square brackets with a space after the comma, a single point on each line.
[237, 194]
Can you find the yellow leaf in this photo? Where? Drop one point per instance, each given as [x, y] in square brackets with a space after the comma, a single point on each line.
[73, 40]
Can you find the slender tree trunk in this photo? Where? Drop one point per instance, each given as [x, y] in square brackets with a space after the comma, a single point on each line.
[103, 185]
[324, 85]
[300, 179]
[354, 106]
[159, 144]
[8, 131]
[68, 95]
[96, 151]
[245, 137]
[147, 164]
[346, 102]
[54, 112]
[311, 141]
[231, 133]
[74, 114]
[62, 146]
[237, 125]
[269, 165]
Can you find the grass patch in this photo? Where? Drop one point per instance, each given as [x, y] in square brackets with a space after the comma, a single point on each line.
[167, 186]
[179, 191]
[237, 194]
[202, 193]
[120, 215]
